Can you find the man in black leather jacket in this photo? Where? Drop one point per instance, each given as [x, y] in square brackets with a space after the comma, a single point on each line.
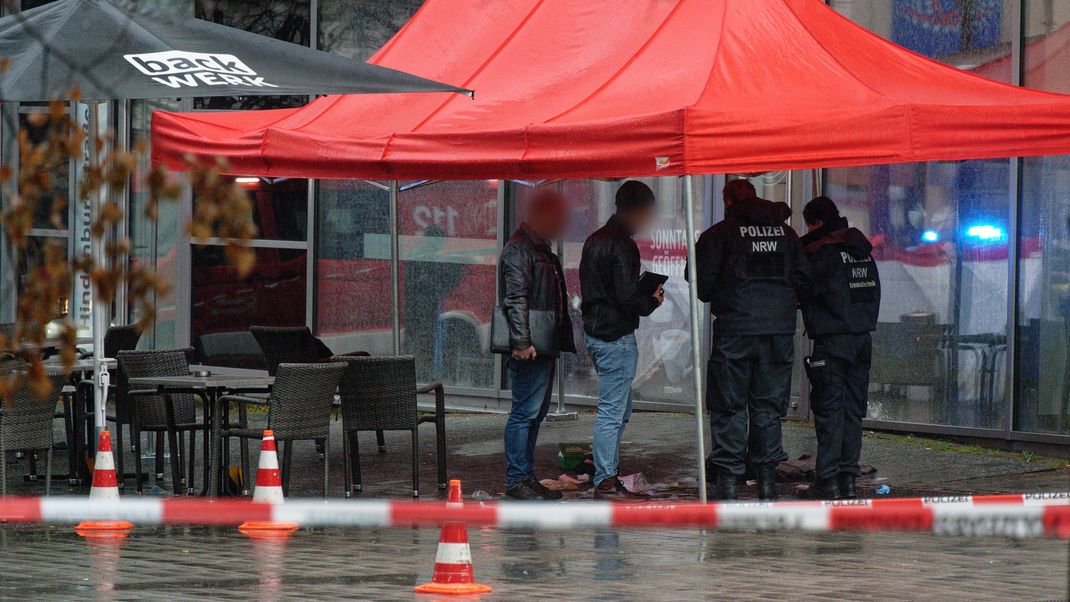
[612, 306]
[750, 269]
[840, 311]
[532, 296]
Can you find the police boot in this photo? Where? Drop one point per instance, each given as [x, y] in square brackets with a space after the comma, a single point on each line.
[725, 487]
[846, 484]
[822, 489]
[767, 483]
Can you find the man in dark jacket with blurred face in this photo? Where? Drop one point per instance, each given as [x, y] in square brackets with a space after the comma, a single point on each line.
[750, 269]
[840, 310]
[533, 298]
[612, 306]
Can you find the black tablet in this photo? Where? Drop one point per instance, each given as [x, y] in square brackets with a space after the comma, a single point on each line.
[650, 281]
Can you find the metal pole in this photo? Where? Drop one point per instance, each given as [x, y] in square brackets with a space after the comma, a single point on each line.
[560, 413]
[100, 310]
[696, 342]
[395, 258]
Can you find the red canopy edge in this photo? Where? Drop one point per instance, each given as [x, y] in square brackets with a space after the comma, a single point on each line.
[605, 88]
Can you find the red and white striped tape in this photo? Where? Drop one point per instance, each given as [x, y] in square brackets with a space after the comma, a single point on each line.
[1029, 515]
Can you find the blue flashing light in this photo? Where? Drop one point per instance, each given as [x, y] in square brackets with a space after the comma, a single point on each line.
[930, 236]
[985, 232]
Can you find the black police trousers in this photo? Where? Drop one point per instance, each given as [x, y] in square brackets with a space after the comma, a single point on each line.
[748, 381]
[839, 393]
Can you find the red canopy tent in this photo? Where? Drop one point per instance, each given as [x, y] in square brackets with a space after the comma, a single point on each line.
[604, 88]
[607, 88]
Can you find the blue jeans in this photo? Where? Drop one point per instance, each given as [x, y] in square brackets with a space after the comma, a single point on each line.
[615, 362]
[533, 385]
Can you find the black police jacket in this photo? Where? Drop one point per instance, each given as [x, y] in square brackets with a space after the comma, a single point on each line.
[530, 278]
[845, 294]
[751, 267]
[609, 279]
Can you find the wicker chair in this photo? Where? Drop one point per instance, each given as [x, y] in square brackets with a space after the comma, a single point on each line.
[299, 408]
[379, 393]
[168, 413]
[26, 426]
[297, 345]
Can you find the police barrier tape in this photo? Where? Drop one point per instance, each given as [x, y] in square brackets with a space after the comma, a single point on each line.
[1030, 515]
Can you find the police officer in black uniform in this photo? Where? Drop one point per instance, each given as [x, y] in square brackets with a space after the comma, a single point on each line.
[840, 311]
[750, 268]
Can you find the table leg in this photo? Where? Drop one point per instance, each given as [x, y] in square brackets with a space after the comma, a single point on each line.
[215, 483]
[206, 445]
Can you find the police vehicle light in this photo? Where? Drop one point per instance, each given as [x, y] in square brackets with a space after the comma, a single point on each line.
[247, 180]
[930, 236]
[985, 232]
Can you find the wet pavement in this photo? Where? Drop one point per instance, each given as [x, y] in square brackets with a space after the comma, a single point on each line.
[173, 563]
[220, 564]
[660, 445]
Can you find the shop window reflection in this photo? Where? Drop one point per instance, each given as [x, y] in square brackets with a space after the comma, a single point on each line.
[448, 258]
[225, 304]
[353, 279]
[941, 242]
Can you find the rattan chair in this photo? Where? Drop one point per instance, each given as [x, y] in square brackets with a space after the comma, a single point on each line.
[26, 426]
[379, 393]
[297, 345]
[169, 413]
[299, 408]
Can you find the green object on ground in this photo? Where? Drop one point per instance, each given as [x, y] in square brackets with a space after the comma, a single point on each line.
[569, 455]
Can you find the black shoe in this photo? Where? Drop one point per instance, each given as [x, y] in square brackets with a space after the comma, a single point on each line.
[767, 483]
[846, 484]
[525, 490]
[725, 486]
[822, 489]
[547, 493]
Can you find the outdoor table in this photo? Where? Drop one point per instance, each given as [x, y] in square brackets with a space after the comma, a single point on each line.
[214, 387]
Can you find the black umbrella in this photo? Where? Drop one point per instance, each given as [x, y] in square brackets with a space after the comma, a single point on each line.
[113, 50]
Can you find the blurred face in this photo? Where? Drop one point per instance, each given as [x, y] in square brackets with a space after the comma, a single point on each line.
[814, 226]
[640, 219]
[548, 215]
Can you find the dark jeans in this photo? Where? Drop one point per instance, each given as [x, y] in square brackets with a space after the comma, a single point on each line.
[532, 385]
[839, 393]
[748, 382]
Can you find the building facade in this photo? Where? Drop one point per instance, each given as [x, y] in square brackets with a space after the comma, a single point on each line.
[974, 330]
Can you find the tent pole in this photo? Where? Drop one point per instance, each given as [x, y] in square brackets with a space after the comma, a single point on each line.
[395, 258]
[100, 310]
[696, 341]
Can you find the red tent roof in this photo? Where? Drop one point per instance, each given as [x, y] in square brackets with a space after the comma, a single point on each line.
[605, 88]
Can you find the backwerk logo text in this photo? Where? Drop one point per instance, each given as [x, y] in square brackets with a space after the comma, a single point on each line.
[178, 69]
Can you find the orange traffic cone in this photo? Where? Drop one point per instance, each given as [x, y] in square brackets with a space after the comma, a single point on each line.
[268, 488]
[453, 562]
[105, 487]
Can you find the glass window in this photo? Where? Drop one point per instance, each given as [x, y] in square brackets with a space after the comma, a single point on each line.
[359, 29]
[353, 280]
[941, 244]
[59, 174]
[1043, 329]
[153, 242]
[940, 232]
[448, 261]
[226, 305]
[280, 207]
